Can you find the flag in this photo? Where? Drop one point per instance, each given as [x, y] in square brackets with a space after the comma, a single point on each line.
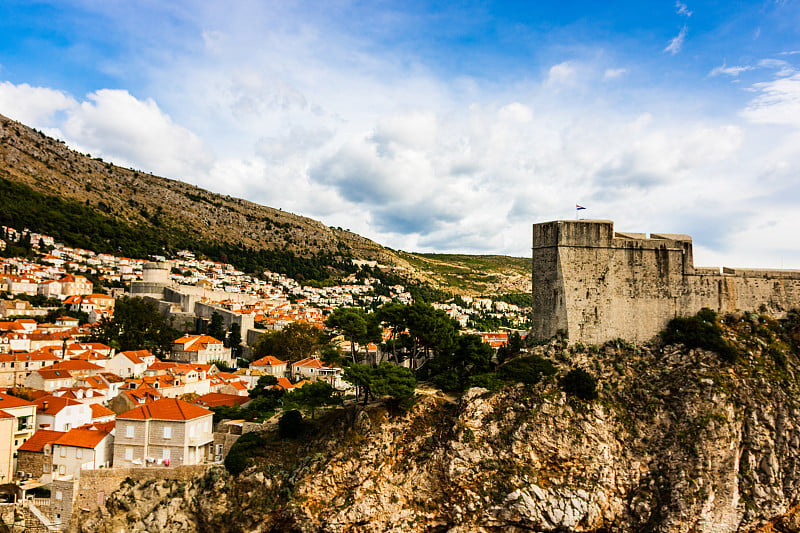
[579, 207]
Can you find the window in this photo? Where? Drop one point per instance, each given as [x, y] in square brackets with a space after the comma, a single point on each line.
[129, 431]
[63, 451]
[167, 432]
[165, 454]
[191, 431]
[128, 454]
[59, 495]
[62, 469]
[79, 453]
[46, 468]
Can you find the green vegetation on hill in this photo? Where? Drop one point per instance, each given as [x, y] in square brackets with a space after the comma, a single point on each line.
[702, 330]
[476, 274]
[75, 224]
[83, 226]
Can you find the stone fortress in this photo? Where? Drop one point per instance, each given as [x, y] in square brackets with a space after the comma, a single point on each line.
[595, 285]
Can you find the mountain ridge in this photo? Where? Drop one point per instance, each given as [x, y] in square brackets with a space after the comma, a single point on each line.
[180, 213]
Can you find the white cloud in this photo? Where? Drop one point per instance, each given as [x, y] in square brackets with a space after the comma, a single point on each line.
[729, 71]
[561, 74]
[777, 102]
[33, 106]
[682, 9]
[676, 43]
[362, 138]
[116, 125]
[784, 68]
[613, 73]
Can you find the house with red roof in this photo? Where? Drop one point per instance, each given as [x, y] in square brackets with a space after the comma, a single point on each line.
[61, 414]
[200, 349]
[35, 456]
[24, 425]
[313, 369]
[77, 368]
[85, 395]
[49, 380]
[101, 414]
[129, 398]
[167, 431]
[75, 285]
[85, 448]
[130, 364]
[270, 365]
[15, 367]
[216, 399]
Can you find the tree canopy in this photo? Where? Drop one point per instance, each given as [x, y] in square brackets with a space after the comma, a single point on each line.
[216, 328]
[294, 342]
[312, 396]
[136, 325]
[356, 326]
[386, 379]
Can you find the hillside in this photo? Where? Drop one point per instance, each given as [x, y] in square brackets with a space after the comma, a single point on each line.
[678, 440]
[84, 201]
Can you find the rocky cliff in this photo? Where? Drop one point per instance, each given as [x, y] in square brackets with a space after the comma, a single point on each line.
[677, 441]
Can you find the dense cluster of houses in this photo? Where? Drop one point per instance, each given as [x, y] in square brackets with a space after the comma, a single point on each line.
[70, 405]
[77, 406]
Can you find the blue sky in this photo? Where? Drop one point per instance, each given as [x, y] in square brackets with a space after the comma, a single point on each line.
[431, 126]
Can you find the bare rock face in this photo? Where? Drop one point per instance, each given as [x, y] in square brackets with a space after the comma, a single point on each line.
[677, 441]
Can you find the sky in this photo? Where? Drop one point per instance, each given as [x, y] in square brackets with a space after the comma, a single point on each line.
[437, 126]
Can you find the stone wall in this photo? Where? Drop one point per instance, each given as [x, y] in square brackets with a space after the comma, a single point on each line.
[35, 463]
[595, 285]
[62, 496]
[94, 486]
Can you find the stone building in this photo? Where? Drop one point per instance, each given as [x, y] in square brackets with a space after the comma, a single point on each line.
[35, 456]
[595, 284]
[167, 431]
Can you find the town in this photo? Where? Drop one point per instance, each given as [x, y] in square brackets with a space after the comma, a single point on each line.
[73, 404]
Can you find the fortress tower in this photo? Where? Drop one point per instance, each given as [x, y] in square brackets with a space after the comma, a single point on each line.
[596, 285]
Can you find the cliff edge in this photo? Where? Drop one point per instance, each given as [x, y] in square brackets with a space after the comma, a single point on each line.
[678, 440]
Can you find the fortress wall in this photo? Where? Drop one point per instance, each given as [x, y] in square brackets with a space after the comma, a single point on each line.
[550, 314]
[597, 285]
[628, 286]
[752, 291]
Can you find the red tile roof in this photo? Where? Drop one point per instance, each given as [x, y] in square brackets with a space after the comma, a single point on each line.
[81, 438]
[99, 411]
[284, 384]
[38, 440]
[165, 409]
[135, 356]
[53, 374]
[193, 343]
[268, 361]
[52, 405]
[73, 365]
[7, 401]
[215, 399]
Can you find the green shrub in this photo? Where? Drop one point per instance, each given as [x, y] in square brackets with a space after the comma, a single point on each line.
[489, 381]
[291, 425]
[700, 331]
[529, 370]
[579, 383]
[245, 448]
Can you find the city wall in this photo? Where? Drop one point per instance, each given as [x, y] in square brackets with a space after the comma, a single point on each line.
[90, 491]
[595, 285]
